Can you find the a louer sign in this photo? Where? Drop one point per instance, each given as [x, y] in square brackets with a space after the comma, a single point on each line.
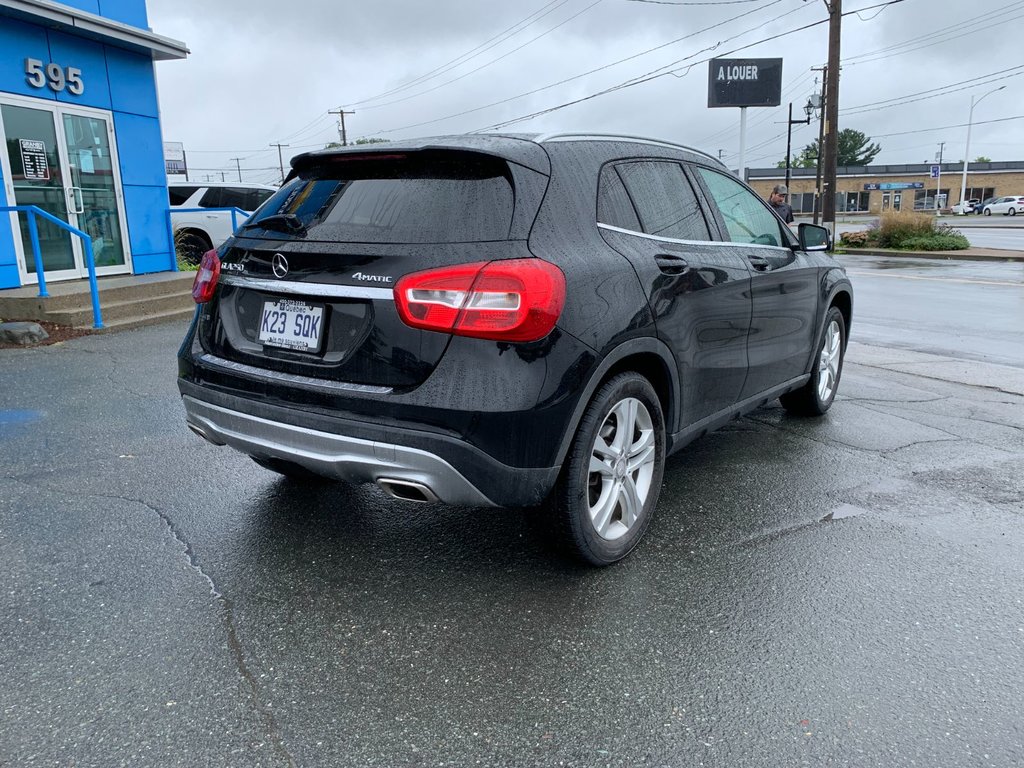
[745, 83]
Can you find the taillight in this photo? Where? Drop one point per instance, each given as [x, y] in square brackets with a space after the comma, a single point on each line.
[513, 300]
[206, 278]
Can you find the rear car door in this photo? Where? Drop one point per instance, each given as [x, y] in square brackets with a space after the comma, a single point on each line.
[698, 290]
[784, 283]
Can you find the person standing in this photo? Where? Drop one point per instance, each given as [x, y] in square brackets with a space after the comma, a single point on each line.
[777, 200]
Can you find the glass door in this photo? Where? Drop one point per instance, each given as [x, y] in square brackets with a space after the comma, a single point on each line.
[63, 160]
[92, 188]
[35, 176]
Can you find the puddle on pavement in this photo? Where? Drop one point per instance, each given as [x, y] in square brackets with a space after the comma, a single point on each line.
[844, 511]
[907, 263]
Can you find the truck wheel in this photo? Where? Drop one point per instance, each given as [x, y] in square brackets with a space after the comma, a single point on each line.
[190, 247]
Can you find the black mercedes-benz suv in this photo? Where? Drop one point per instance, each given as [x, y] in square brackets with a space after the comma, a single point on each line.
[509, 321]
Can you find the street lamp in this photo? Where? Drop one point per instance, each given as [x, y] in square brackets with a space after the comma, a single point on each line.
[808, 110]
[967, 147]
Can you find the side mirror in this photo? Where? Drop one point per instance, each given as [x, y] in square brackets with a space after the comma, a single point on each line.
[814, 238]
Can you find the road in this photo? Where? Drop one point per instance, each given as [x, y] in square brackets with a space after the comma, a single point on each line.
[973, 310]
[842, 591]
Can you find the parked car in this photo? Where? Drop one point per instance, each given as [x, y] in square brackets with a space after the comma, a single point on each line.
[1008, 206]
[197, 232]
[966, 206]
[980, 207]
[510, 321]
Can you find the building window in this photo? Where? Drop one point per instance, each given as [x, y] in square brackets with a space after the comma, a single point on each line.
[924, 199]
[852, 202]
[802, 202]
[980, 193]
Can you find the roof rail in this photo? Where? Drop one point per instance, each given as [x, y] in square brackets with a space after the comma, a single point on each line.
[540, 139]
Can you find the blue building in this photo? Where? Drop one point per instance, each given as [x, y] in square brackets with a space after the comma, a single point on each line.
[80, 135]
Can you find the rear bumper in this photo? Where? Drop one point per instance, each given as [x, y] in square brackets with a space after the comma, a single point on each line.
[363, 452]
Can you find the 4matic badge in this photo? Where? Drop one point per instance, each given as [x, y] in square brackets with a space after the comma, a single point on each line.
[372, 278]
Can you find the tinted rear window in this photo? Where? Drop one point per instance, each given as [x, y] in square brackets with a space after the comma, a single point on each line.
[179, 195]
[428, 197]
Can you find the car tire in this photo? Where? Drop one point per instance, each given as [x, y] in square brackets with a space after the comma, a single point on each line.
[817, 395]
[988, 211]
[611, 478]
[1012, 212]
[190, 247]
[291, 471]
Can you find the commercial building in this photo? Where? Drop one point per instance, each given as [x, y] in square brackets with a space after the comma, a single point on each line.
[877, 188]
[80, 128]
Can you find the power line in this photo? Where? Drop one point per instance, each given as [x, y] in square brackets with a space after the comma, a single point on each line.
[489, 63]
[585, 74]
[947, 127]
[907, 100]
[470, 54]
[706, 2]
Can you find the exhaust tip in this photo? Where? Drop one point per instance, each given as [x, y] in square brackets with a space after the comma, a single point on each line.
[202, 433]
[407, 490]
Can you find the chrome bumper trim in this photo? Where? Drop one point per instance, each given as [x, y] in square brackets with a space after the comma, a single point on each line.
[347, 458]
[306, 382]
[319, 290]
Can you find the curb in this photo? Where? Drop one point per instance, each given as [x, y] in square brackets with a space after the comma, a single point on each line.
[971, 254]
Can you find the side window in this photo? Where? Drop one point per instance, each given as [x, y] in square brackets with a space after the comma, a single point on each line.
[180, 195]
[613, 204]
[258, 197]
[211, 198]
[747, 218]
[664, 199]
[236, 197]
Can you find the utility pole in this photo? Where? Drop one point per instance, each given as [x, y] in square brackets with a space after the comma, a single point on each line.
[280, 160]
[831, 137]
[341, 123]
[808, 110]
[238, 165]
[821, 141]
[222, 176]
[720, 153]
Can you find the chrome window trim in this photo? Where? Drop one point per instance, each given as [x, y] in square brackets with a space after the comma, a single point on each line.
[307, 382]
[322, 290]
[727, 243]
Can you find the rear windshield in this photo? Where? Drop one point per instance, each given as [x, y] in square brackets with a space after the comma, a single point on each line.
[422, 197]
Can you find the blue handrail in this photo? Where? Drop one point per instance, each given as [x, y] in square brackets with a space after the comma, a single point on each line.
[235, 212]
[90, 261]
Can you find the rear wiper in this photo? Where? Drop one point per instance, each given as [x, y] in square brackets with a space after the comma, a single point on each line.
[282, 222]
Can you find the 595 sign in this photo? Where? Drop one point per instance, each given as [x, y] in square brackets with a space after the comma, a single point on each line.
[57, 77]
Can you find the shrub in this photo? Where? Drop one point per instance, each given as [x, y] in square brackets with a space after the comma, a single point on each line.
[855, 239]
[896, 227]
[952, 241]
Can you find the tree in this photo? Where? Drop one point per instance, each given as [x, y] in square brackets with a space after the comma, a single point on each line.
[337, 144]
[982, 159]
[855, 148]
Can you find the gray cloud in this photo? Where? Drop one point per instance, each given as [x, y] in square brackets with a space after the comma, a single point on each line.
[261, 73]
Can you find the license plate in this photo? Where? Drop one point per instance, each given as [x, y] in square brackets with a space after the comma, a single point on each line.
[292, 325]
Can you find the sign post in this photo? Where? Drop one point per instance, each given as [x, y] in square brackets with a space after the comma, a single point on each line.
[174, 158]
[936, 173]
[744, 83]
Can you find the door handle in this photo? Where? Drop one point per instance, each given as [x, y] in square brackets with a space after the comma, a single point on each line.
[760, 264]
[76, 200]
[671, 264]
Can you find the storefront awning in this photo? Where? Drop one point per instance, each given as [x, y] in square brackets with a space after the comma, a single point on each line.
[93, 27]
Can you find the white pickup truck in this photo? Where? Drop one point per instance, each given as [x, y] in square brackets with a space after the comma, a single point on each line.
[197, 231]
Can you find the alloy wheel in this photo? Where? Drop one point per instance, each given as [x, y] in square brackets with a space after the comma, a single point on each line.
[622, 464]
[828, 362]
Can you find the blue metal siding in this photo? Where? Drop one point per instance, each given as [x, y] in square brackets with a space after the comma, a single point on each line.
[120, 82]
[127, 11]
[89, 6]
[87, 56]
[147, 228]
[19, 42]
[132, 81]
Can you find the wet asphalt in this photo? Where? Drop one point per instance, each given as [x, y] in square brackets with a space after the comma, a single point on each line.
[843, 591]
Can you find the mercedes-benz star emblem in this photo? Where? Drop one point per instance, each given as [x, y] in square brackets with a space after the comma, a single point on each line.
[280, 265]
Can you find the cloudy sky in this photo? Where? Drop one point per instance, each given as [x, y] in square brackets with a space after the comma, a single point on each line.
[264, 71]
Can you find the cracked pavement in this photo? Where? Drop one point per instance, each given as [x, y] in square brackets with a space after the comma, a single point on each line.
[842, 591]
